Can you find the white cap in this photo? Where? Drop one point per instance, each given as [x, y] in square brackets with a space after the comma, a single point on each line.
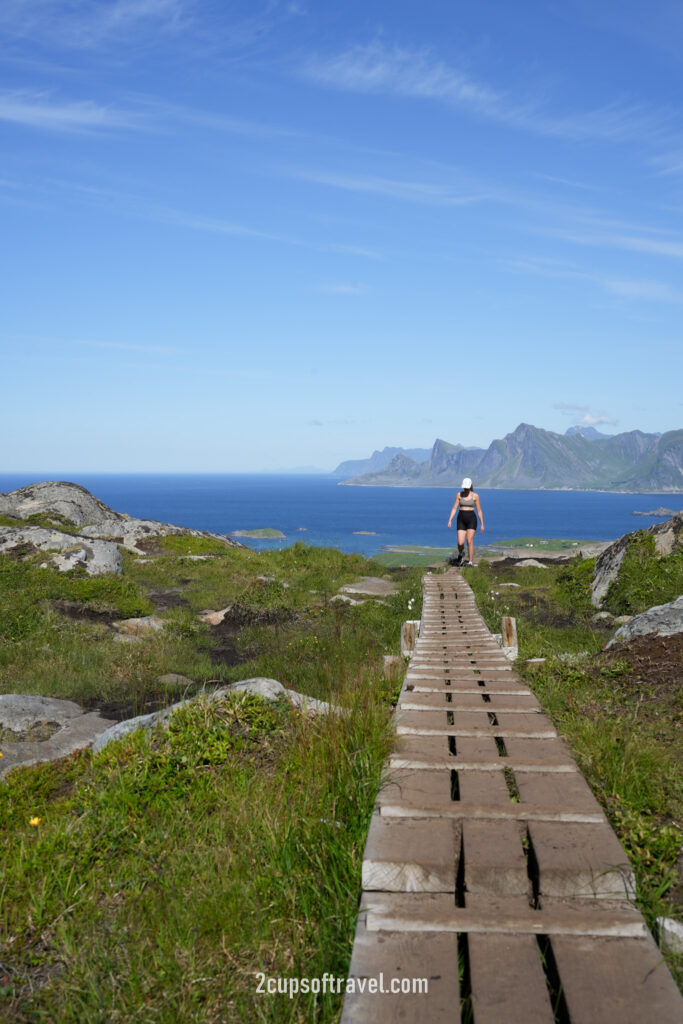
[466, 484]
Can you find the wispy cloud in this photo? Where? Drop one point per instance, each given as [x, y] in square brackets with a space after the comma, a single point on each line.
[582, 414]
[420, 74]
[40, 110]
[628, 288]
[634, 243]
[344, 288]
[412, 191]
[126, 346]
[82, 24]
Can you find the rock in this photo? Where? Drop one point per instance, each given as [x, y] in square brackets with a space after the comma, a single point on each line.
[370, 586]
[174, 679]
[139, 627]
[667, 538]
[126, 638]
[663, 619]
[602, 617]
[621, 619]
[535, 661]
[510, 584]
[670, 934]
[343, 599]
[531, 563]
[70, 728]
[96, 556]
[214, 618]
[271, 689]
[92, 517]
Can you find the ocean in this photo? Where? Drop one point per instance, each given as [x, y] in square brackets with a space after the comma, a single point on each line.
[317, 510]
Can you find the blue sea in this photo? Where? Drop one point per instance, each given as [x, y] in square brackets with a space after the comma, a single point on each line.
[317, 510]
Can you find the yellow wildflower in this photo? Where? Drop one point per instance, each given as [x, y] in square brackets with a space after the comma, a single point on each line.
[35, 822]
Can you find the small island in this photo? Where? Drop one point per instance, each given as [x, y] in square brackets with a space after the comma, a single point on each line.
[662, 513]
[264, 533]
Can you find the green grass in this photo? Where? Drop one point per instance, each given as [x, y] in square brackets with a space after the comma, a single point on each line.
[165, 872]
[185, 544]
[262, 533]
[644, 580]
[624, 731]
[53, 521]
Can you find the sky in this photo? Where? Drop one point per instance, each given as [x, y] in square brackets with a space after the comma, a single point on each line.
[257, 235]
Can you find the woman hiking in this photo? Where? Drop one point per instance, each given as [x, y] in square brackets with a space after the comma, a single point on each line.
[465, 504]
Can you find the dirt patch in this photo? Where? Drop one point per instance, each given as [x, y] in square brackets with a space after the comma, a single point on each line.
[655, 662]
[76, 610]
[165, 599]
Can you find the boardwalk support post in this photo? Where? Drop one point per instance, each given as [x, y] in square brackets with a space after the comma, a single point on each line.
[508, 628]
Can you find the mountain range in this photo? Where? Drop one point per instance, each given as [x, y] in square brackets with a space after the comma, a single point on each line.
[531, 458]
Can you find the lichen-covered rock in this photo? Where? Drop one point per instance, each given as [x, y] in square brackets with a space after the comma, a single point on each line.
[668, 537]
[66, 550]
[664, 619]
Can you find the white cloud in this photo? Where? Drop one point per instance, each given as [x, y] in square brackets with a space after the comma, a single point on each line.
[344, 288]
[587, 419]
[82, 24]
[419, 74]
[412, 191]
[39, 110]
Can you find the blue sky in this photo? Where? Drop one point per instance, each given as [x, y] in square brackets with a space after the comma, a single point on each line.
[257, 235]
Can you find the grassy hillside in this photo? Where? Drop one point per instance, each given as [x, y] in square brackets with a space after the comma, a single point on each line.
[153, 881]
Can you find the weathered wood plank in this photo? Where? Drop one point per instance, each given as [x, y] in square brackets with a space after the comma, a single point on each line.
[507, 979]
[386, 956]
[493, 858]
[436, 912]
[616, 981]
[409, 855]
[560, 790]
[580, 860]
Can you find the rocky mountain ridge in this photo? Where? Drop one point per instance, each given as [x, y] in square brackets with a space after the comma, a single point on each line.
[531, 458]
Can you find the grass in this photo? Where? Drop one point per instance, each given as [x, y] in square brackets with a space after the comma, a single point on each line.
[644, 580]
[153, 881]
[622, 724]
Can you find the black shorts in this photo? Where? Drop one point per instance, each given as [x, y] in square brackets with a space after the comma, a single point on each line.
[467, 519]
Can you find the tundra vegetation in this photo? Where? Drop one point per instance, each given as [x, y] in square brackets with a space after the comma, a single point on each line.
[619, 709]
[151, 882]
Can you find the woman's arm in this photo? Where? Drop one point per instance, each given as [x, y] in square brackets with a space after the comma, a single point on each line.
[453, 510]
[481, 517]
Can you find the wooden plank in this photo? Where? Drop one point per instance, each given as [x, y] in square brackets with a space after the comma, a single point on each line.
[616, 981]
[416, 789]
[493, 858]
[557, 789]
[553, 750]
[410, 855]
[484, 788]
[507, 979]
[386, 956]
[580, 860]
[436, 912]
[402, 807]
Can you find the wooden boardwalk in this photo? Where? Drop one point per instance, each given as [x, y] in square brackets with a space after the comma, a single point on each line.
[490, 869]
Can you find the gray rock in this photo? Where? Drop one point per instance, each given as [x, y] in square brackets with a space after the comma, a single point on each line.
[602, 617]
[146, 624]
[663, 619]
[667, 537]
[671, 934]
[343, 599]
[72, 729]
[510, 584]
[531, 563]
[175, 679]
[214, 618]
[621, 619]
[97, 556]
[370, 586]
[92, 517]
[271, 689]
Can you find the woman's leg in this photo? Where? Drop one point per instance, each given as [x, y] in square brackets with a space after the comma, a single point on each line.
[462, 534]
[470, 545]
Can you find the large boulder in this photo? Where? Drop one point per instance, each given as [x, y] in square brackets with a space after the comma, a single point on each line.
[668, 537]
[60, 500]
[66, 551]
[663, 619]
